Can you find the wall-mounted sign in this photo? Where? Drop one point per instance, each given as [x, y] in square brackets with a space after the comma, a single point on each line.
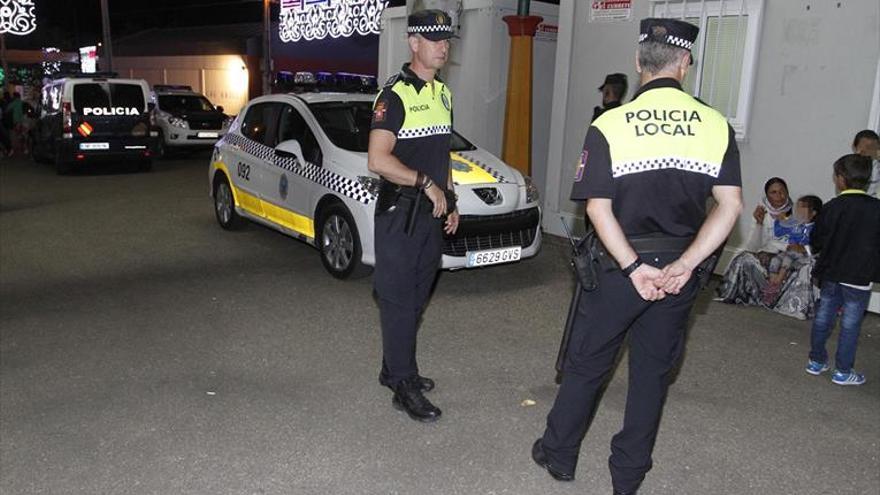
[319, 19]
[88, 59]
[17, 17]
[610, 10]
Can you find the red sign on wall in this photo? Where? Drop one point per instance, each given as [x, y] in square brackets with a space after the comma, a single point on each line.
[610, 10]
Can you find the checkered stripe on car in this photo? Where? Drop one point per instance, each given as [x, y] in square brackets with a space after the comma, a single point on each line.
[319, 175]
[494, 173]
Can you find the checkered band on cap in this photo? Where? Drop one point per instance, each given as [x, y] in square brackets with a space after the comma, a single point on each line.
[429, 29]
[432, 130]
[672, 40]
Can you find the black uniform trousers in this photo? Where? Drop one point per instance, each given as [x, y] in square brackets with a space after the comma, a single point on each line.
[406, 267]
[656, 337]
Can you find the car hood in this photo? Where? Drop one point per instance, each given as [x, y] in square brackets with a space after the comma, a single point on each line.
[478, 166]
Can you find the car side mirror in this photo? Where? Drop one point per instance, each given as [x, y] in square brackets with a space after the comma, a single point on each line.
[151, 106]
[289, 149]
[220, 108]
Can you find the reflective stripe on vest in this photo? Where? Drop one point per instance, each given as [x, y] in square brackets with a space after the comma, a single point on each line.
[664, 128]
[425, 114]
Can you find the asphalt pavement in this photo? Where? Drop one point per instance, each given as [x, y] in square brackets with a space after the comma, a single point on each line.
[144, 350]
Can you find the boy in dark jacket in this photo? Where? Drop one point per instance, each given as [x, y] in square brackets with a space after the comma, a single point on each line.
[847, 238]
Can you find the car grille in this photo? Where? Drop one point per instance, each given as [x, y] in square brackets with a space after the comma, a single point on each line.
[479, 232]
[205, 124]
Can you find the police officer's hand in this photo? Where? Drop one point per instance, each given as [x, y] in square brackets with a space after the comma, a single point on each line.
[675, 275]
[451, 224]
[759, 214]
[435, 194]
[643, 280]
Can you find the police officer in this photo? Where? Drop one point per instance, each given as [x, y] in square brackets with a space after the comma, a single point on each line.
[409, 147]
[613, 90]
[646, 172]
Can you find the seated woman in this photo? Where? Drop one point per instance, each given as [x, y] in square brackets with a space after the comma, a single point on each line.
[747, 279]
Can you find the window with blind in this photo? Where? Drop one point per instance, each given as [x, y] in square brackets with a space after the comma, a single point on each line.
[725, 53]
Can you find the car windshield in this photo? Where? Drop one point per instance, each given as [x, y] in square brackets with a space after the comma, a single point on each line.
[347, 124]
[185, 103]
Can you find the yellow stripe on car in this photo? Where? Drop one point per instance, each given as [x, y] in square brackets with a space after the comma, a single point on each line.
[465, 171]
[268, 211]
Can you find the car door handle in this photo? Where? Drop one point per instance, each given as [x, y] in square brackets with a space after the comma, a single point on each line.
[284, 154]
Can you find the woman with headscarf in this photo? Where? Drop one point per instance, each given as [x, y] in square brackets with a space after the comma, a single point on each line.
[746, 279]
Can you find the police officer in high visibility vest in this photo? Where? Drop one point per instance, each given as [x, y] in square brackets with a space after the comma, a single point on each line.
[409, 148]
[646, 171]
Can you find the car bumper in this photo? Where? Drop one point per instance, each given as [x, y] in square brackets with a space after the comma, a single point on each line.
[482, 232]
[183, 137]
[107, 150]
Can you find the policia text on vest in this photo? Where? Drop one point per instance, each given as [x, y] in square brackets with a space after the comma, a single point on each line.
[669, 122]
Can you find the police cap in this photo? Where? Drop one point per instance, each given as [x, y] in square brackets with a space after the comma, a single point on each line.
[434, 25]
[670, 31]
[618, 78]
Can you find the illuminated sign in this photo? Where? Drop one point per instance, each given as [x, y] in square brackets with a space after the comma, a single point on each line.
[319, 19]
[17, 17]
[88, 59]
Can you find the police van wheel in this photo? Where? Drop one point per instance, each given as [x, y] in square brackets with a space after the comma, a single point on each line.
[224, 205]
[339, 243]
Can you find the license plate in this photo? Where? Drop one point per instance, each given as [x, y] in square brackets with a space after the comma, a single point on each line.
[94, 146]
[493, 256]
[208, 135]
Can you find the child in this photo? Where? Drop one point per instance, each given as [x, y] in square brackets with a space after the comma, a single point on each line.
[796, 230]
[847, 237]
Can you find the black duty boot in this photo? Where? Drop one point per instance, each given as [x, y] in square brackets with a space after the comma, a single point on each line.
[408, 397]
[540, 459]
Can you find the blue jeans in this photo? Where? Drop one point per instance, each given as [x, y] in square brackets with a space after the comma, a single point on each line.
[854, 302]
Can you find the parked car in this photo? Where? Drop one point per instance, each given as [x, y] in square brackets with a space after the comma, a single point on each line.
[186, 119]
[87, 118]
[298, 163]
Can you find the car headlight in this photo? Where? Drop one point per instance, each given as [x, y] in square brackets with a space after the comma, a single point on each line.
[227, 122]
[178, 122]
[371, 183]
[532, 193]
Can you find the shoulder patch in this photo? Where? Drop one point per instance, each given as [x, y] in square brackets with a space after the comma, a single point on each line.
[391, 80]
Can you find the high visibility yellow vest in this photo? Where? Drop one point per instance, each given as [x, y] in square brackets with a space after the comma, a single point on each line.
[427, 112]
[664, 128]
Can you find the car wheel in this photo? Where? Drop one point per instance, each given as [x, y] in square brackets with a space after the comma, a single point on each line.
[224, 205]
[146, 165]
[339, 243]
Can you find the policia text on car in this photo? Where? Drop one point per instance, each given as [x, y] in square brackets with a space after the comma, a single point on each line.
[646, 171]
[409, 147]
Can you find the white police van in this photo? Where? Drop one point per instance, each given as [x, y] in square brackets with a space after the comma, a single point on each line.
[86, 118]
[298, 163]
[186, 119]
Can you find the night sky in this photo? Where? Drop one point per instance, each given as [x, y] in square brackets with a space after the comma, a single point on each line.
[69, 24]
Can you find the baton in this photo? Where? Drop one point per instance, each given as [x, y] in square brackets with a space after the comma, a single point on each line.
[572, 309]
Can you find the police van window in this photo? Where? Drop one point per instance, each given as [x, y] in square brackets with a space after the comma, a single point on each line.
[127, 95]
[89, 95]
[292, 125]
